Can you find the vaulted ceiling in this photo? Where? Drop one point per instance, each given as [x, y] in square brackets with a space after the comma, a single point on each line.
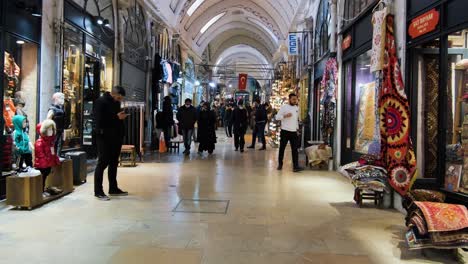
[252, 29]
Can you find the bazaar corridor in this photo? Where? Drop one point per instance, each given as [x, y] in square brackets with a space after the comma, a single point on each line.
[271, 218]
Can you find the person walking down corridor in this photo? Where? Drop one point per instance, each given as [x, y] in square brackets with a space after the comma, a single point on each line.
[289, 117]
[240, 121]
[260, 123]
[109, 130]
[187, 116]
[168, 119]
[206, 129]
[228, 121]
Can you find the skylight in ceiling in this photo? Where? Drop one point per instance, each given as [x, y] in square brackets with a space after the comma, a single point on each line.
[211, 22]
[194, 7]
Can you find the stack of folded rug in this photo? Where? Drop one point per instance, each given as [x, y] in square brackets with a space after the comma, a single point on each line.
[435, 224]
[366, 177]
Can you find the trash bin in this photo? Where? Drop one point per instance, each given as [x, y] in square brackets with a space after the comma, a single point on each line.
[79, 166]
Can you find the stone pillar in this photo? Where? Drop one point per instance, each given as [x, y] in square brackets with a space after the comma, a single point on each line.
[333, 13]
[52, 15]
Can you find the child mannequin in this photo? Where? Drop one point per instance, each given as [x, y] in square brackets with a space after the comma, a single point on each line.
[45, 155]
[23, 146]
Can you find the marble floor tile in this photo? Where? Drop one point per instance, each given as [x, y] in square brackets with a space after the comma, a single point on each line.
[273, 218]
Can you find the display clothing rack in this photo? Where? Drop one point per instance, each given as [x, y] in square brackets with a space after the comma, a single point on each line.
[134, 126]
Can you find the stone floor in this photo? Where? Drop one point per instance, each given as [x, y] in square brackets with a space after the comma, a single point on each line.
[272, 218]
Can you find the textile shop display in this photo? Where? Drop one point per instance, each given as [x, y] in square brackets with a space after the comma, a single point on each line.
[366, 140]
[434, 224]
[318, 155]
[366, 177]
[396, 146]
[328, 101]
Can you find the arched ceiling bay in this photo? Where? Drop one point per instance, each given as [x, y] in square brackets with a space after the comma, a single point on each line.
[217, 25]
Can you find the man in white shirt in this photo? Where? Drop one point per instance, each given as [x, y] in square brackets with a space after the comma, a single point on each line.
[289, 117]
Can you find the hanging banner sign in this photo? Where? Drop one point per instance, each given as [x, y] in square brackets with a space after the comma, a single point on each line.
[243, 81]
[346, 44]
[424, 24]
[292, 47]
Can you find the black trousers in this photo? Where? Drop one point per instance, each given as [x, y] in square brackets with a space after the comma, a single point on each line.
[228, 128]
[108, 157]
[239, 139]
[293, 139]
[259, 132]
[26, 159]
[45, 172]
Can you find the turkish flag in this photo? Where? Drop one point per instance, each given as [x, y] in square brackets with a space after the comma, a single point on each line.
[243, 81]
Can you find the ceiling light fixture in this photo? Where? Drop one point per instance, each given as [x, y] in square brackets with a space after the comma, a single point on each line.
[35, 12]
[20, 42]
[211, 22]
[99, 20]
[106, 23]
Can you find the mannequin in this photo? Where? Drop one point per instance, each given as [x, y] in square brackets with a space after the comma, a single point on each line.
[57, 114]
[23, 146]
[45, 156]
[9, 111]
[20, 103]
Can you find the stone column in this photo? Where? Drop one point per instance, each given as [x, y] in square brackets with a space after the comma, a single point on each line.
[333, 13]
[52, 17]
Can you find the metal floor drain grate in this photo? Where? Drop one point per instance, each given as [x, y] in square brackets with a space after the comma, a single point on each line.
[202, 206]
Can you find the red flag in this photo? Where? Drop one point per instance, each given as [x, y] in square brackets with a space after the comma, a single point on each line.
[243, 81]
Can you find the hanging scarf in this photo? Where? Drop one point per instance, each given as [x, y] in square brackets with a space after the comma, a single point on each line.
[378, 39]
[328, 101]
[396, 146]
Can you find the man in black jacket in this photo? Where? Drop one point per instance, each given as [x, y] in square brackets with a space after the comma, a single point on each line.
[260, 123]
[240, 121]
[109, 132]
[187, 116]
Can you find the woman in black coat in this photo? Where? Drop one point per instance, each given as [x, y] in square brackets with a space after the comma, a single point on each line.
[167, 118]
[206, 129]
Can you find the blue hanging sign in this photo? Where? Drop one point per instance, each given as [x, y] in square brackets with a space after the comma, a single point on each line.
[292, 47]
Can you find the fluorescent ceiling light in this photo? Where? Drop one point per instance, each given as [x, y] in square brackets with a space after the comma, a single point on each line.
[194, 7]
[211, 22]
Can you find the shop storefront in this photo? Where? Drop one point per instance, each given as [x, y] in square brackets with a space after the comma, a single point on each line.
[358, 83]
[88, 66]
[438, 74]
[20, 36]
[321, 55]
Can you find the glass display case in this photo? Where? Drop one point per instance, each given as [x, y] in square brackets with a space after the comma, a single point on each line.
[73, 85]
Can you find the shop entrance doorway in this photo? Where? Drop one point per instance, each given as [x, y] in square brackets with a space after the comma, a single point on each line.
[91, 92]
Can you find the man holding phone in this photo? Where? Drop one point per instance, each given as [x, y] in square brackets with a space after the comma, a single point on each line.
[289, 117]
[109, 131]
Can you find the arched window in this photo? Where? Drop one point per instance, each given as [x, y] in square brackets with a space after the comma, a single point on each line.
[101, 8]
[352, 9]
[134, 30]
[322, 36]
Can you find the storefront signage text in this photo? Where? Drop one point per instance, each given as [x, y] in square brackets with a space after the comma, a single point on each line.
[346, 44]
[424, 24]
[292, 40]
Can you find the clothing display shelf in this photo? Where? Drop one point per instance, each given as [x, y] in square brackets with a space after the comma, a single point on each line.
[134, 126]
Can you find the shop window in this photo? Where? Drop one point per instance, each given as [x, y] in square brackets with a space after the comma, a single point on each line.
[456, 118]
[73, 85]
[426, 79]
[20, 82]
[348, 84]
[322, 36]
[107, 69]
[365, 107]
[353, 8]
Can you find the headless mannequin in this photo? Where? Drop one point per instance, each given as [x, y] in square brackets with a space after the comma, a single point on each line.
[57, 114]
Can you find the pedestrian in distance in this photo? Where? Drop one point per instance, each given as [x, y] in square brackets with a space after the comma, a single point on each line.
[240, 122]
[206, 129]
[187, 117]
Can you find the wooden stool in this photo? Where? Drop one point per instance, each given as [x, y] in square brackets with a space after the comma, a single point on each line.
[360, 195]
[128, 156]
[174, 145]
